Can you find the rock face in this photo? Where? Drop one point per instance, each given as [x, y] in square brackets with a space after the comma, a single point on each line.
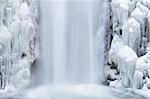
[18, 41]
[129, 27]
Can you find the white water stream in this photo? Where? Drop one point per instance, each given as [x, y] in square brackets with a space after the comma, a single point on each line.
[72, 41]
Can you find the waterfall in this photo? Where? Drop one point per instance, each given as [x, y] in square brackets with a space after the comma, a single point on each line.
[72, 41]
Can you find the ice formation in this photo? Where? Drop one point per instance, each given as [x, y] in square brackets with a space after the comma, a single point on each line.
[129, 54]
[125, 59]
[137, 79]
[131, 34]
[18, 42]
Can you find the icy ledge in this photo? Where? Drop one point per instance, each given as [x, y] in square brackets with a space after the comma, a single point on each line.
[18, 42]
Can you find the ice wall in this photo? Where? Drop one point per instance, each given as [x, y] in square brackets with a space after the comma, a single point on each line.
[129, 20]
[18, 41]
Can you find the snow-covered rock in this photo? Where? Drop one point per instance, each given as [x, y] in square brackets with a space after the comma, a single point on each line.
[144, 9]
[24, 11]
[120, 10]
[115, 45]
[8, 15]
[138, 15]
[131, 34]
[125, 59]
[138, 80]
[146, 3]
[148, 84]
[143, 66]
[18, 41]
[22, 75]
[132, 6]
[143, 63]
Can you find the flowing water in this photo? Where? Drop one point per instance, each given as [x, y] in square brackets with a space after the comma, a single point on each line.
[72, 41]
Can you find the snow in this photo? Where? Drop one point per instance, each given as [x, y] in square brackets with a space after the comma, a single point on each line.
[120, 10]
[116, 44]
[132, 6]
[24, 11]
[134, 34]
[125, 59]
[143, 63]
[138, 79]
[146, 3]
[8, 15]
[89, 91]
[19, 43]
[5, 34]
[144, 9]
[131, 34]
[138, 15]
